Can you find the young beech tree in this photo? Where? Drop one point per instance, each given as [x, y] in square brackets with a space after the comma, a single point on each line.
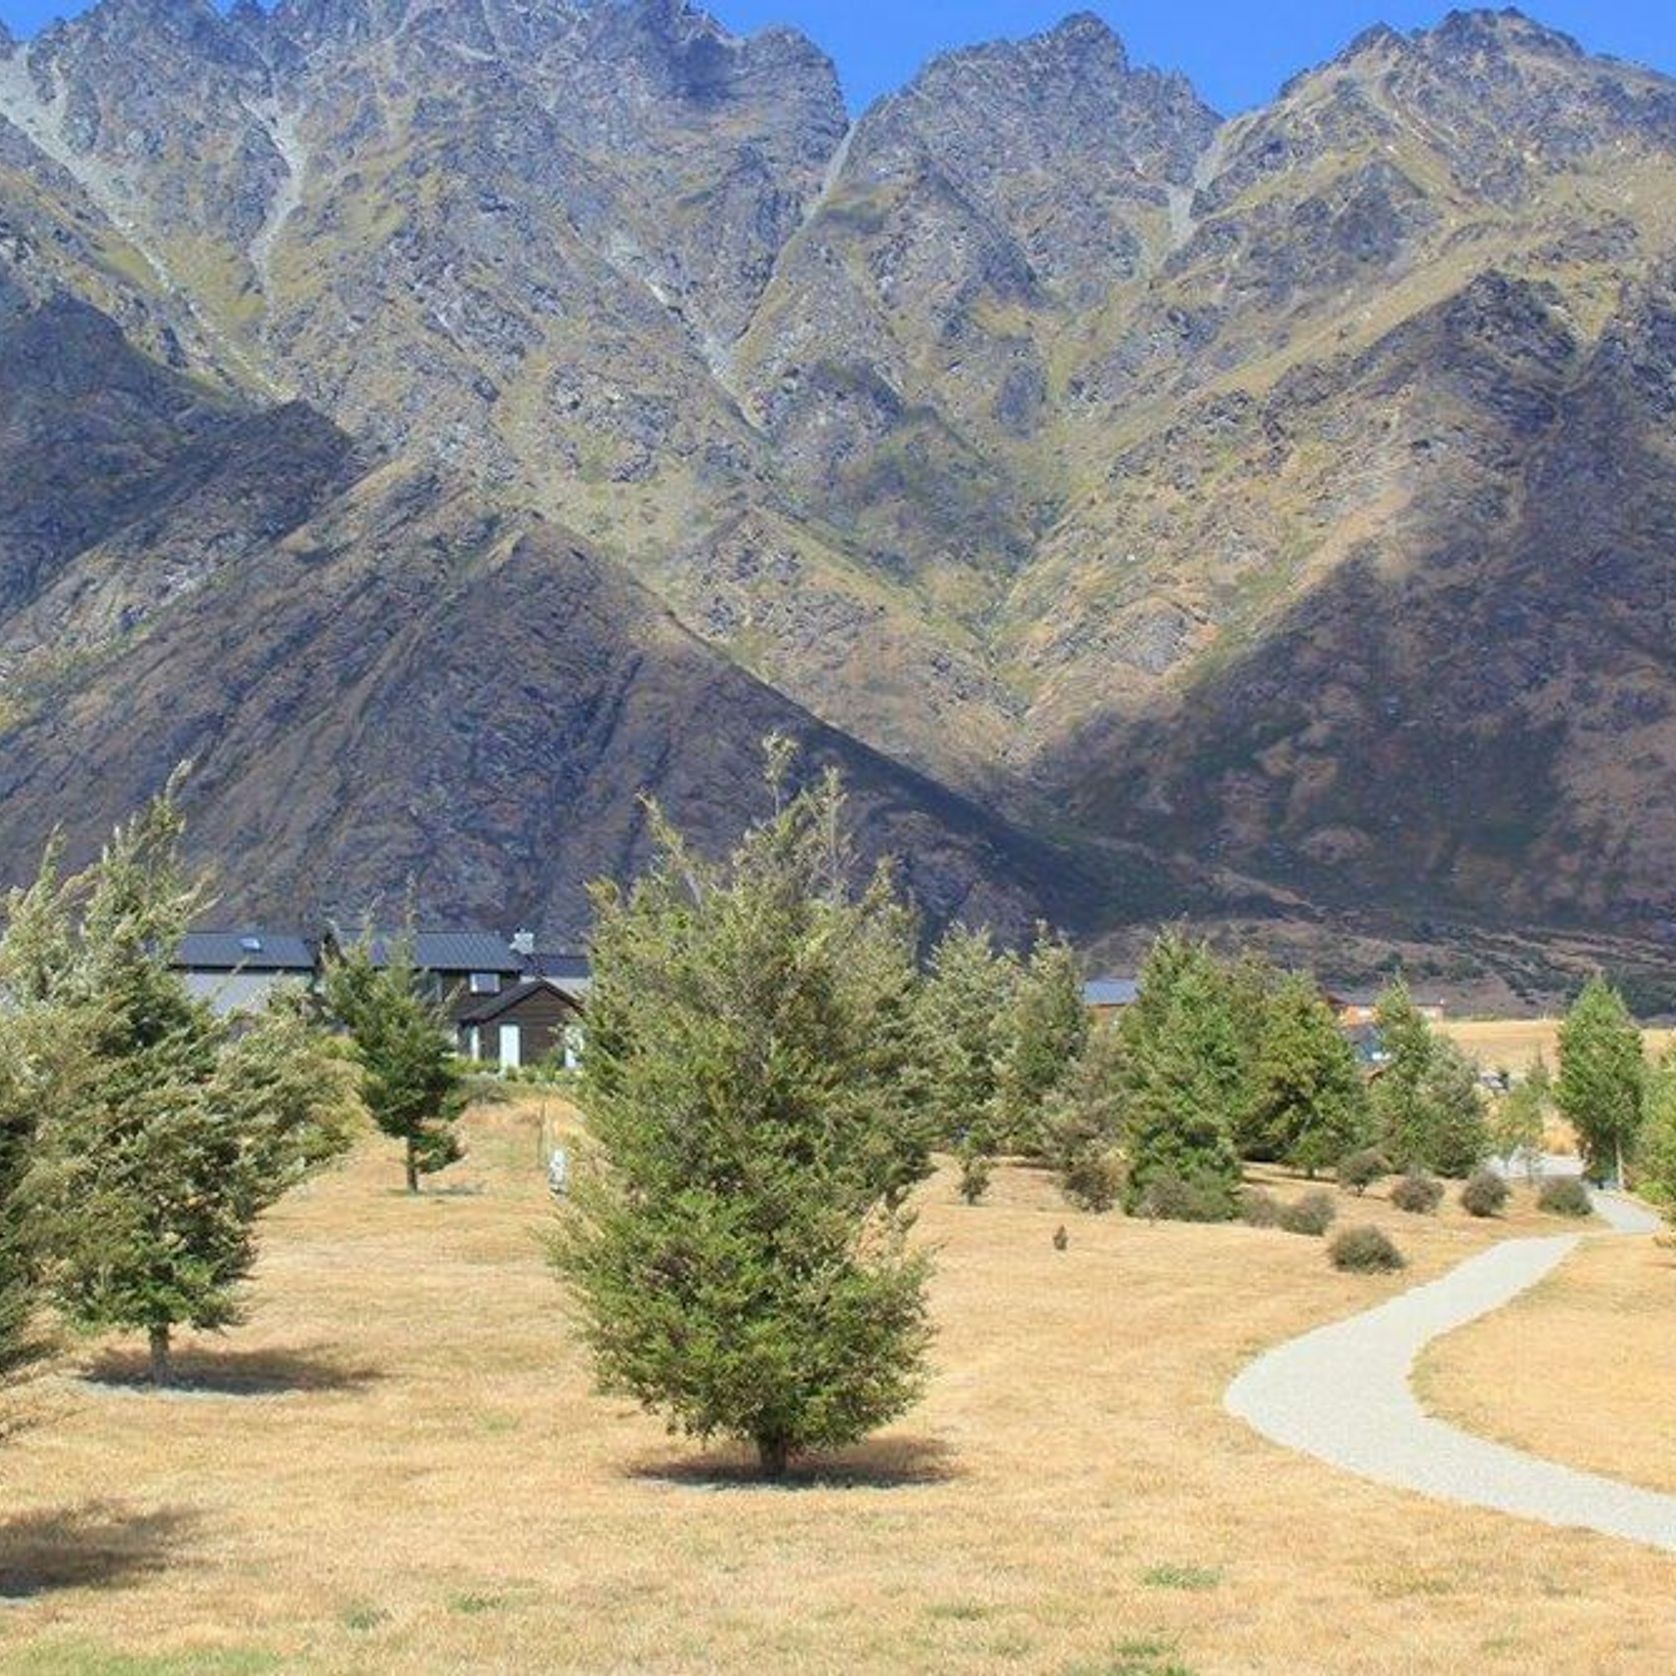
[1603, 1074]
[411, 1080]
[1308, 1107]
[737, 1248]
[164, 1131]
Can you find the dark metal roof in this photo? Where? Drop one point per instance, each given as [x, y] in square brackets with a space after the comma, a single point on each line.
[252, 951]
[1111, 992]
[575, 967]
[452, 951]
[495, 1005]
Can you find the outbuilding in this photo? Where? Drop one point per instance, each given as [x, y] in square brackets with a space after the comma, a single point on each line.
[537, 1019]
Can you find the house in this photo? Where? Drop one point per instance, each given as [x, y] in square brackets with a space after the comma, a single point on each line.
[1361, 1008]
[237, 971]
[535, 1020]
[1105, 997]
[464, 968]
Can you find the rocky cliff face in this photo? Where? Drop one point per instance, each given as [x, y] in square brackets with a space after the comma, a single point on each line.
[1285, 495]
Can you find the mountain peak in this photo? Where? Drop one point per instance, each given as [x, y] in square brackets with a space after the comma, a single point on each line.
[1484, 30]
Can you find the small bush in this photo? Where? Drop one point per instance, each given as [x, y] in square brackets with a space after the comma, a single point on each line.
[1312, 1214]
[1259, 1208]
[1564, 1196]
[1366, 1250]
[1485, 1194]
[1418, 1194]
[1360, 1170]
[975, 1171]
[1093, 1181]
[1170, 1199]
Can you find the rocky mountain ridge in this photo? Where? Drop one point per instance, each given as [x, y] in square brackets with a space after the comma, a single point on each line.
[1269, 513]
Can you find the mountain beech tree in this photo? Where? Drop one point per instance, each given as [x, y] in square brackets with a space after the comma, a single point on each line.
[1603, 1074]
[411, 1079]
[165, 1130]
[736, 1248]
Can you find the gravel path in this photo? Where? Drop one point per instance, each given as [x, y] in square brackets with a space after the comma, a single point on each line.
[1342, 1394]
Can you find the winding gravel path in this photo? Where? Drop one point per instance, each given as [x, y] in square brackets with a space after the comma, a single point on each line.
[1342, 1394]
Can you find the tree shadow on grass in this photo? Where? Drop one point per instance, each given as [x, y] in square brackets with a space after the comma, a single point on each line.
[99, 1545]
[889, 1463]
[206, 1372]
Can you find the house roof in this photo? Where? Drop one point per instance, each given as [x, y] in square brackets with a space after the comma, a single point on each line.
[452, 951]
[1111, 992]
[251, 951]
[493, 1006]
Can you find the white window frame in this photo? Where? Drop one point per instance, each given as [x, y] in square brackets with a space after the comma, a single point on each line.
[511, 1047]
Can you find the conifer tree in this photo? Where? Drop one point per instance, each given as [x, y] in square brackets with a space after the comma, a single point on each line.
[1521, 1119]
[963, 1011]
[165, 1131]
[1602, 1078]
[1309, 1107]
[1046, 1031]
[736, 1250]
[411, 1080]
[1182, 1079]
[1427, 1103]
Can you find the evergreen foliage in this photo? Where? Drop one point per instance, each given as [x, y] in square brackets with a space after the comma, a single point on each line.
[737, 1250]
[1182, 1078]
[412, 1082]
[1603, 1074]
[1521, 1119]
[1083, 1127]
[1308, 1106]
[962, 1015]
[1427, 1104]
[1046, 1031]
[165, 1131]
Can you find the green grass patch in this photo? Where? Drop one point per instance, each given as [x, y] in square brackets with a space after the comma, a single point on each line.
[1133, 1658]
[1194, 1578]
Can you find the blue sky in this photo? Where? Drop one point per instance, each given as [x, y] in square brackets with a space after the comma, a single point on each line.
[1236, 52]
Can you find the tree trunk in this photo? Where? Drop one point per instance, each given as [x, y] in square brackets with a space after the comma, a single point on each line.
[162, 1371]
[774, 1453]
[412, 1168]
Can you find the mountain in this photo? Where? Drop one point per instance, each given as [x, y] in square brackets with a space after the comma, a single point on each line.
[446, 419]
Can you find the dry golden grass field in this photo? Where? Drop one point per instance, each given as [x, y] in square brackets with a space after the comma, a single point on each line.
[1582, 1369]
[1514, 1043]
[405, 1469]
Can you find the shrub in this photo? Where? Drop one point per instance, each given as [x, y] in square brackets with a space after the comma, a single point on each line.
[1418, 1194]
[1093, 1181]
[1564, 1196]
[1365, 1250]
[1360, 1170]
[974, 1175]
[1170, 1199]
[1485, 1194]
[1259, 1208]
[1312, 1214]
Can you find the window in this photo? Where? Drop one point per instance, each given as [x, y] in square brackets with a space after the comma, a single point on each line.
[251, 945]
[485, 983]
